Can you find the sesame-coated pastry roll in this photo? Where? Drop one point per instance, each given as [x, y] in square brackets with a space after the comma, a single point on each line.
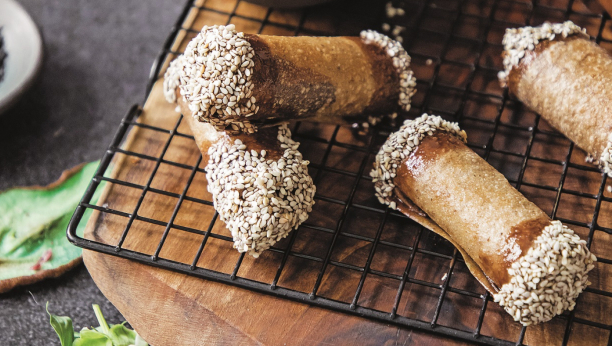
[558, 72]
[259, 182]
[240, 82]
[534, 267]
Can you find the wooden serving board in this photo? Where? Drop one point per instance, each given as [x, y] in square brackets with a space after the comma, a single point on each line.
[168, 308]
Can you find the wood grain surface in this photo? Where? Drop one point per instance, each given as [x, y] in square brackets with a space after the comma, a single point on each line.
[169, 308]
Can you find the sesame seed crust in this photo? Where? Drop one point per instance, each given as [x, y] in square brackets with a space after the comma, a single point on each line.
[215, 78]
[401, 62]
[172, 78]
[398, 147]
[548, 279]
[517, 41]
[259, 200]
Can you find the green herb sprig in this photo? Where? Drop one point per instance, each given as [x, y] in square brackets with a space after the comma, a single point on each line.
[104, 335]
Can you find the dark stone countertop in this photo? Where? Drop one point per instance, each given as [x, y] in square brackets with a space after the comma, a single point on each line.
[97, 60]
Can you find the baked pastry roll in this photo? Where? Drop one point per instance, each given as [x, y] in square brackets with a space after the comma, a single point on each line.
[558, 72]
[259, 182]
[240, 82]
[534, 267]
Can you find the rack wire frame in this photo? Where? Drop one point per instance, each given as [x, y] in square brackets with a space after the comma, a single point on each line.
[456, 14]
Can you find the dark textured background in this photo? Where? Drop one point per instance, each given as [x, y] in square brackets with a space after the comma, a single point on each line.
[97, 60]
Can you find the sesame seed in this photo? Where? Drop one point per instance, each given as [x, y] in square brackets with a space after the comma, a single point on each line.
[605, 160]
[393, 11]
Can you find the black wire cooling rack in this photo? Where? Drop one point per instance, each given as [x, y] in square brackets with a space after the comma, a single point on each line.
[455, 46]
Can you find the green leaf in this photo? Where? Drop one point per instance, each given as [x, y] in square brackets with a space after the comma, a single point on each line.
[92, 338]
[63, 327]
[118, 333]
[33, 225]
[122, 336]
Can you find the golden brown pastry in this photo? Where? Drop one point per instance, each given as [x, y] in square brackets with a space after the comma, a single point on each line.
[259, 183]
[240, 82]
[534, 267]
[558, 72]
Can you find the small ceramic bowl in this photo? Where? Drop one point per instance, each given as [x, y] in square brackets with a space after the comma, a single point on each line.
[24, 48]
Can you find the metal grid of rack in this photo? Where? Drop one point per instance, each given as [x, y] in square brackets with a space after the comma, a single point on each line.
[455, 46]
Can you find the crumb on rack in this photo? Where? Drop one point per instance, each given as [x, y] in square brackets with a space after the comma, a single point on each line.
[517, 41]
[398, 29]
[605, 160]
[260, 200]
[393, 11]
[548, 279]
[398, 147]
[401, 62]
[396, 32]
